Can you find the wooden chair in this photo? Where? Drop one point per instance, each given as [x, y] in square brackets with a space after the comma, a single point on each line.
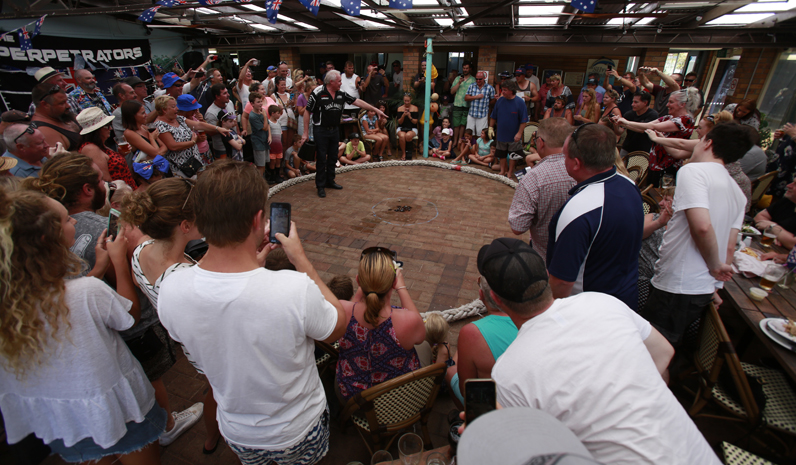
[734, 455]
[761, 185]
[384, 410]
[369, 143]
[634, 173]
[714, 352]
[329, 358]
[649, 204]
[530, 128]
[641, 160]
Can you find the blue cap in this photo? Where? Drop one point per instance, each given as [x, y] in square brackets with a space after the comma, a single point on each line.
[187, 102]
[271, 68]
[169, 79]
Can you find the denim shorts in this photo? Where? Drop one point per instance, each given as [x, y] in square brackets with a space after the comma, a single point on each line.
[138, 436]
[307, 452]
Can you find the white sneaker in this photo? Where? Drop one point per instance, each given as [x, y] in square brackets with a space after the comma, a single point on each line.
[182, 422]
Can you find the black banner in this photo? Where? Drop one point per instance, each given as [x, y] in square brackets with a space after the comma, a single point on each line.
[60, 52]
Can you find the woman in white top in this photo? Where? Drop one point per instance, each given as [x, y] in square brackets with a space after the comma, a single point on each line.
[164, 212]
[287, 103]
[66, 374]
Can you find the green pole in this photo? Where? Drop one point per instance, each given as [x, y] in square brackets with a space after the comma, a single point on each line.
[426, 126]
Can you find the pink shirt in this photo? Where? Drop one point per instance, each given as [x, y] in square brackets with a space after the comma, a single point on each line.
[268, 102]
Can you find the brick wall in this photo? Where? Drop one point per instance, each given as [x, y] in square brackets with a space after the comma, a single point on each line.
[487, 61]
[563, 63]
[292, 56]
[746, 73]
[411, 64]
[655, 58]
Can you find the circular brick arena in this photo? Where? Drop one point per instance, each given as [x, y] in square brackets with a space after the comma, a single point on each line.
[436, 219]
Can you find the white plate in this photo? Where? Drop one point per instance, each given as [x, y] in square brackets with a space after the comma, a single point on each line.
[778, 326]
[774, 336]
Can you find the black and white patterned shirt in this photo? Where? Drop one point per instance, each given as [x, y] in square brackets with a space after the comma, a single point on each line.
[326, 111]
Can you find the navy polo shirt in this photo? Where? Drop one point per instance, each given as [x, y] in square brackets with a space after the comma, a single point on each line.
[595, 238]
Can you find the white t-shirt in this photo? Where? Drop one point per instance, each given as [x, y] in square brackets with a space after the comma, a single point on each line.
[349, 86]
[90, 384]
[243, 93]
[252, 334]
[681, 268]
[584, 362]
[211, 117]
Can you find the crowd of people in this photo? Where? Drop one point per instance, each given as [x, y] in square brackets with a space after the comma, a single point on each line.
[108, 213]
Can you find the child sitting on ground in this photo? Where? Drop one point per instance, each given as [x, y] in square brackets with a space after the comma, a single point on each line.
[434, 349]
[274, 113]
[483, 155]
[354, 153]
[277, 260]
[292, 162]
[233, 143]
[466, 143]
[446, 123]
[342, 287]
[445, 149]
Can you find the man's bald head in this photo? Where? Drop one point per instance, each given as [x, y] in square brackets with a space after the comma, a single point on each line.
[85, 79]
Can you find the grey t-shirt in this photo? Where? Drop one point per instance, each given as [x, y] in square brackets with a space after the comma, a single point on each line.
[118, 129]
[754, 163]
[88, 229]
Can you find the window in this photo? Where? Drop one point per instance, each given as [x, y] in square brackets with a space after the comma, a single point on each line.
[779, 100]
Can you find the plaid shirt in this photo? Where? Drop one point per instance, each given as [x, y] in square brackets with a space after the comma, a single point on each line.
[79, 100]
[539, 195]
[480, 108]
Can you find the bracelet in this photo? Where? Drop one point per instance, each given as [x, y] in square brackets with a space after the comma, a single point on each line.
[399, 288]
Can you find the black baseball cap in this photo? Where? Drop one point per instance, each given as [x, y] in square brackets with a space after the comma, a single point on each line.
[511, 267]
[133, 81]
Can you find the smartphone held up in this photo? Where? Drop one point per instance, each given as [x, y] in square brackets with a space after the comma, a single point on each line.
[280, 220]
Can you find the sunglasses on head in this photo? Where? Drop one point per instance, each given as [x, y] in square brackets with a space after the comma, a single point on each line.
[383, 250]
[575, 133]
[28, 130]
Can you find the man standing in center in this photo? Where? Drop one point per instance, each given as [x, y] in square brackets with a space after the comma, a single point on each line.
[595, 238]
[460, 106]
[252, 330]
[326, 106]
[512, 114]
[545, 188]
[479, 94]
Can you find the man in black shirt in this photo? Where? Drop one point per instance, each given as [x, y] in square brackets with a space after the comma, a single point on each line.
[641, 113]
[326, 107]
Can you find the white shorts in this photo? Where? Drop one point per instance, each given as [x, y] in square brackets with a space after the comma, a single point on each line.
[477, 124]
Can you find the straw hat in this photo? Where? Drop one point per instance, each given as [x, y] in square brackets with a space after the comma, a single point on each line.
[6, 163]
[92, 119]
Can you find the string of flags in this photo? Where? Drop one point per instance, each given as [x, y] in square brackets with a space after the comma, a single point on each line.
[24, 36]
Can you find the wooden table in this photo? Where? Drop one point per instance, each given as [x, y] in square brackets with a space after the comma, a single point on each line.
[780, 303]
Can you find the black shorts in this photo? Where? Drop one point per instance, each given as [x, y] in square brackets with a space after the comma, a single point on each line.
[154, 349]
[672, 314]
[503, 149]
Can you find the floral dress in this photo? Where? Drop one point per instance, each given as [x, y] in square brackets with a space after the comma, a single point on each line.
[371, 356]
[117, 166]
[659, 159]
[181, 133]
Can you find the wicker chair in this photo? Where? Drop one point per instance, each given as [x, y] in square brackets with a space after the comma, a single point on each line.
[641, 160]
[634, 173]
[369, 143]
[649, 204]
[530, 128]
[382, 411]
[734, 455]
[760, 186]
[329, 358]
[714, 352]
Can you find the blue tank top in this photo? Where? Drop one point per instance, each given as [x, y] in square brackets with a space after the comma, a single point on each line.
[498, 332]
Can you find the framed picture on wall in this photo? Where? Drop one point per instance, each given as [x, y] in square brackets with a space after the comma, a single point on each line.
[573, 79]
[549, 72]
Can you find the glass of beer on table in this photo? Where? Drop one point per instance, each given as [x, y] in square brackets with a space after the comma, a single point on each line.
[767, 239]
[772, 275]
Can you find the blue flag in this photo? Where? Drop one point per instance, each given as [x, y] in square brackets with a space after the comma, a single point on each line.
[242, 1]
[351, 6]
[24, 40]
[149, 14]
[272, 9]
[37, 27]
[209, 2]
[311, 5]
[401, 4]
[586, 6]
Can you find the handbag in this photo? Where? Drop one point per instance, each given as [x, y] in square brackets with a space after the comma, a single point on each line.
[292, 123]
[190, 167]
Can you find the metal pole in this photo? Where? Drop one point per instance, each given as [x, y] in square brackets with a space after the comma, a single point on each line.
[427, 96]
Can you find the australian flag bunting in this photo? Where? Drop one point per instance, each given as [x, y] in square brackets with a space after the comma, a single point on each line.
[312, 5]
[37, 27]
[271, 10]
[351, 6]
[209, 2]
[586, 6]
[401, 4]
[149, 14]
[24, 40]
[242, 1]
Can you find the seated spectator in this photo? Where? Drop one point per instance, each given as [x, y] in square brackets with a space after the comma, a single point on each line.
[480, 344]
[96, 130]
[783, 162]
[341, 286]
[370, 124]
[485, 155]
[589, 110]
[557, 89]
[406, 128]
[754, 162]
[164, 213]
[467, 144]
[445, 149]
[294, 166]
[745, 113]
[383, 126]
[277, 260]
[781, 217]
[559, 110]
[563, 355]
[144, 144]
[354, 153]
[435, 347]
[390, 334]
[28, 147]
[67, 377]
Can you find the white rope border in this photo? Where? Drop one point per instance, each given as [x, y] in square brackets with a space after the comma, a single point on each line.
[386, 164]
[474, 308]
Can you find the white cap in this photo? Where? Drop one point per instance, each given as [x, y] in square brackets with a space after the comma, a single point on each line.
[447, 131]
